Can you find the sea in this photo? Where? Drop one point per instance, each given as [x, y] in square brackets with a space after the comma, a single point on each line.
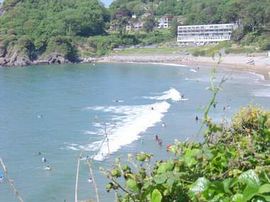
[101, 112]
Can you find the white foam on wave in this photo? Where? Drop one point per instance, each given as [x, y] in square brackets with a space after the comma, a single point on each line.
[257, 76]
[193, 70]
[131, 122]
[171, 94]
[87, 132]
[262, 93]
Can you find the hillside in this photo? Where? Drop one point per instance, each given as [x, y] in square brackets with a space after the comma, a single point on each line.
[33, 30]
[53, 31]
[253, 16]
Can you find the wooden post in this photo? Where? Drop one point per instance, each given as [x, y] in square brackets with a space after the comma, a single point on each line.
[10, 182]
[77, 178]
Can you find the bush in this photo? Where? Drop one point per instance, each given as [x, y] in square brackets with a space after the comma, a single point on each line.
[26, 46]
[265, 45]
[231, 164]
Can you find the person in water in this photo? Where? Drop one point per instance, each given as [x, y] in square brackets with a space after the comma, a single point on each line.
[158, 140]
[197, 118]
[163, 124]
[44, 160]
[1, 176]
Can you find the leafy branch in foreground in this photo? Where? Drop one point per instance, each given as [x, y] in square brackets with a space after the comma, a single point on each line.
[231, 164]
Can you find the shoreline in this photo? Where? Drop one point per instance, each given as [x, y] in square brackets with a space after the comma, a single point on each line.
[236, 62]
[232, 62]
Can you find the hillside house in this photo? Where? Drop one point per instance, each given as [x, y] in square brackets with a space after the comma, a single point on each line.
[164, 22]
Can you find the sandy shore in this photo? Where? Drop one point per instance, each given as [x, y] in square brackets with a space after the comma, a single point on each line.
[259, 64]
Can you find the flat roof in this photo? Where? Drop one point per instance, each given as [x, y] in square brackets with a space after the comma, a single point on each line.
[206, 25]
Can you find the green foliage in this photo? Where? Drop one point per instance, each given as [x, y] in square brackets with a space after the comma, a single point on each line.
[253, 15]
[42, 22]
[155, 37]
[62, 45]
[231, 164]
[149, 24]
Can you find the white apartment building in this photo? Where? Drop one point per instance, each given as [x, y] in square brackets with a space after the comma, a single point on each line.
[204, 34]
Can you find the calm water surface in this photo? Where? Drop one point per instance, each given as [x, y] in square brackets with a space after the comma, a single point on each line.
[62, 110]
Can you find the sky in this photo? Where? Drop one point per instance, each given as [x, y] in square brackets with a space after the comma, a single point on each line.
[106, 2]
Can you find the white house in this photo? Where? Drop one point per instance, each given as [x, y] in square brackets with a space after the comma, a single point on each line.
[164, 22]
[204, 34]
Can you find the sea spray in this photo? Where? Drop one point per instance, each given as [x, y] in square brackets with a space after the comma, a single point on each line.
[171, 94]
[127, 124]
[134, 120]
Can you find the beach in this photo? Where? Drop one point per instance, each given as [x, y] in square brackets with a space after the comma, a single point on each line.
[257, 63]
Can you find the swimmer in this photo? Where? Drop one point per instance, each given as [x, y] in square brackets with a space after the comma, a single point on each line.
[90, 180]
[160, 142]
[197, 118]
[44, 160]
[168, 147]
[39, 116]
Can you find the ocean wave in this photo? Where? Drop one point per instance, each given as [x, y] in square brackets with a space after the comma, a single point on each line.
[131, 122]
[171, 94]
[262, 93]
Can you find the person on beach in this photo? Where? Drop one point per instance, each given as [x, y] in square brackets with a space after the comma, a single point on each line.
[152, 108]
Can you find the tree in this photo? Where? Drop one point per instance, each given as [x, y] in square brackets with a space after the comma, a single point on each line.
[149, 24]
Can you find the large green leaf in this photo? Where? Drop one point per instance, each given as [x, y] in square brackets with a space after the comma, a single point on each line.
[249, 177]
[132, 185]
[199, 186]
[238, 198]
[265, 188]
[250, 191]
[189, 156]
[156, 196]
[160, 179]
[165, 166]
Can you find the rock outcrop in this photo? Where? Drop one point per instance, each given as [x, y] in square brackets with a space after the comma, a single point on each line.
[56, 58]
[13, 58]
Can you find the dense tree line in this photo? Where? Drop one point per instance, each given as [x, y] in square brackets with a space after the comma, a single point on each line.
[43, 22]
[36, 27]
[253, 14]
